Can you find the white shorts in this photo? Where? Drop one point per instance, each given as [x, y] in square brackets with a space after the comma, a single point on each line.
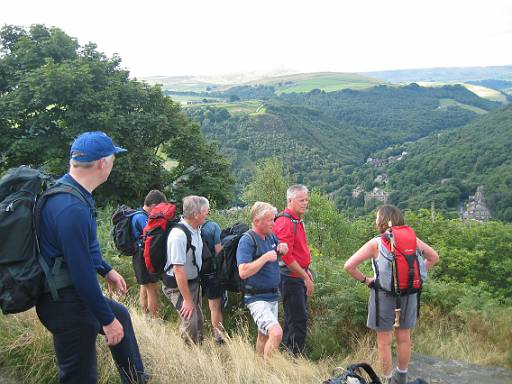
[264, 314]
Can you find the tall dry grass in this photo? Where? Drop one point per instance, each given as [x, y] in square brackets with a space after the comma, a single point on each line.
[26, 352]
[469, 337]
[169, 360]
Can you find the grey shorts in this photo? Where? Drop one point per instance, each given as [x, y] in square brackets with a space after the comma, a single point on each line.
[387, 305]
[264, 314]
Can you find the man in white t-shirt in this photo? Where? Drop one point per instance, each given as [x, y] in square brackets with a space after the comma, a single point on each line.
[181, 282]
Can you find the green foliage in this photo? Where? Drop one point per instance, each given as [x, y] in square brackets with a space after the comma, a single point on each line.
[51, 89]
[445, 168]
[328, 229]
[323, 136]
[247, 92]
[201, 170]
[476, 254]
[269, 184]
[471, 281]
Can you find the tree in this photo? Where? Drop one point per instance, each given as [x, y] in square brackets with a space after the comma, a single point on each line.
[51, 90]
[269, 184]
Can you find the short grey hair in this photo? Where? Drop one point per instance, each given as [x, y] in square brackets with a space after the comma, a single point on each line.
[193, 205]
[259, 209]
[294, 189]
[81, 164]
[85, 164]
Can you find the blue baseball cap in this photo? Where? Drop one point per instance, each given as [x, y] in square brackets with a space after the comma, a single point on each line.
[91, 146]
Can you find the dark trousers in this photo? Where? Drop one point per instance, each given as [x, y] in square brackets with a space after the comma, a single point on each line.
[75, 329]
[293, 293]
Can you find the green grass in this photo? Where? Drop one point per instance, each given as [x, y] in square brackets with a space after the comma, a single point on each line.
[184, 99]
[251, 107]
[325, 84]
[181, 83]
[326, 81]
[445, 103]
[301, 82]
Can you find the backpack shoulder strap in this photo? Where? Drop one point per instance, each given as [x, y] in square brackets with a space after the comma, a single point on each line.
[290, 217]
[60, 187]
[187, 234]
[63, 187]
[189, 240]
[253, 235]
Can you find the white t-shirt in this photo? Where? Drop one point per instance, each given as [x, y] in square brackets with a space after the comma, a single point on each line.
[176, 250]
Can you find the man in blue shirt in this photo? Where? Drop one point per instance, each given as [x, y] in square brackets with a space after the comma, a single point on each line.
[149, 283]
[210, 232]
[257, 264]
[68, 234]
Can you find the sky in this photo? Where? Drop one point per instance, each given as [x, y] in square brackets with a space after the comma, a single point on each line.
[212, 37]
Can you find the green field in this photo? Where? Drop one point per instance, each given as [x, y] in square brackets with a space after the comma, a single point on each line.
[188, 99]
[445, 103]
[326, 81]
[300, 82]
[251, 107]
[181, 83]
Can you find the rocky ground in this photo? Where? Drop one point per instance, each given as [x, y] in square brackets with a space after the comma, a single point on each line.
[438, 371]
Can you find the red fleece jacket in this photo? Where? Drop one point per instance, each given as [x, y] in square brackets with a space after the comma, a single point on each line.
[297, 244]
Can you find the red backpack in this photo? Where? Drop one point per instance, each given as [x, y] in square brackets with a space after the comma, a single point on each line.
[399, 267]
[155, 236]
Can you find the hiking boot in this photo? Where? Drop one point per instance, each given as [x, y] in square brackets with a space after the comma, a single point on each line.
[398, 378]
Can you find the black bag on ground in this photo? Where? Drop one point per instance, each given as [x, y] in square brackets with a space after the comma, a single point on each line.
[228, 268]
[353, 375]
[121, 232]
[24, 274]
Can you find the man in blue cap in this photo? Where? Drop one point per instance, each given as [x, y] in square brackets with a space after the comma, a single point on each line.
[68, 241]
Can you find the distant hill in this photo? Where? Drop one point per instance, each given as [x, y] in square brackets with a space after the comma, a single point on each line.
[478, 88]
[449, 74]
[324, 135]
[325, 81]
[443, 169]
[204, 83]
[282, 81]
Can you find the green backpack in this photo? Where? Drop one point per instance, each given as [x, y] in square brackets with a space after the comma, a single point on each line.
[24, 274]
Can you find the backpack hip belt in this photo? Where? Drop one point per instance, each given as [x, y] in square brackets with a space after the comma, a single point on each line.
[250, 291]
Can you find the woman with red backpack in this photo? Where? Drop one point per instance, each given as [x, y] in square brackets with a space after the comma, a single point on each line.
[400, 262]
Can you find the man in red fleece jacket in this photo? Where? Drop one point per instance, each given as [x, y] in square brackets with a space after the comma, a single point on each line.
[296, 278]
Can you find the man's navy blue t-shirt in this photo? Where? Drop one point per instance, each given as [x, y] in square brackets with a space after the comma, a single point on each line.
[137, 223]
[210, 231]
[268, 277]
[68, 230]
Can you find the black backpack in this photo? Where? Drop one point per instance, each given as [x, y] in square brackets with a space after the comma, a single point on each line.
[24, 274]
[353, 375]
[121, 232]
[228, 268]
